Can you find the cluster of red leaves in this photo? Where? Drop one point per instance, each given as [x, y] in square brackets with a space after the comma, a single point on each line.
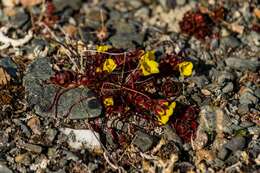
[197, 24]
[133, 93]
[256, 28]
[185, 122]
[49, 17]
[201, 24]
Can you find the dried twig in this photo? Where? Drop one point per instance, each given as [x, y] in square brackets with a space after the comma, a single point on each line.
[13, 42]
[4, 77]
[166, 166]
[235, 166]
[122, 87]
[106, 157]
[120, 158]
[115, 167]
[159, 146]
[68, 51]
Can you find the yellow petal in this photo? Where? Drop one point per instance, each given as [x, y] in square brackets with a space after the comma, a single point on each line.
[185, 68]
[109, 65]
[154, 66]
[145, 73]
[172, 105]
[163, 119]
[148, 65]
[103, 48]
[149, 55]
[98, 70]
[171, 108]
[108, 101]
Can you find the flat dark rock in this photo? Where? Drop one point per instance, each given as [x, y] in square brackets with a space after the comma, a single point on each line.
[77, 103]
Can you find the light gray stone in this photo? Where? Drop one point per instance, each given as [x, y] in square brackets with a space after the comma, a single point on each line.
[237, 63]
[142, 12]
[60, 4]
[228, 88]
[180, 2]
[230, 41]
[4, 169]
[223, 153]
[248, 98]
[243, 109]
[33, 148]
[257, 92]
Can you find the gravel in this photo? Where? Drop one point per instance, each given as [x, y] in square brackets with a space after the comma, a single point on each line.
[126, 36]
[76, 132]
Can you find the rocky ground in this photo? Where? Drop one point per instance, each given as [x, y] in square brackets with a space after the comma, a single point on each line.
[216, 128]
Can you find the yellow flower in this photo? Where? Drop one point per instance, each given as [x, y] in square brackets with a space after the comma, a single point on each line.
[149, 55]
[148, 65]
[98, 70]
[164, 115]
[108, 101]
[185, 68]
[103, 48]
[109, 65]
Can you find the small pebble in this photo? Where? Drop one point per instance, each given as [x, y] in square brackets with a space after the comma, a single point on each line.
[143, 141]
[32, 148]
[228, 88]
[230, 41]
[248, 98]
[19, 19]
[34, 124]
[240, 64]
[255, 130]
[236, 143]
[23, 158]
[223, 153]
[51, 134]
[243, 109]
[180, 2]
[257, 92]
